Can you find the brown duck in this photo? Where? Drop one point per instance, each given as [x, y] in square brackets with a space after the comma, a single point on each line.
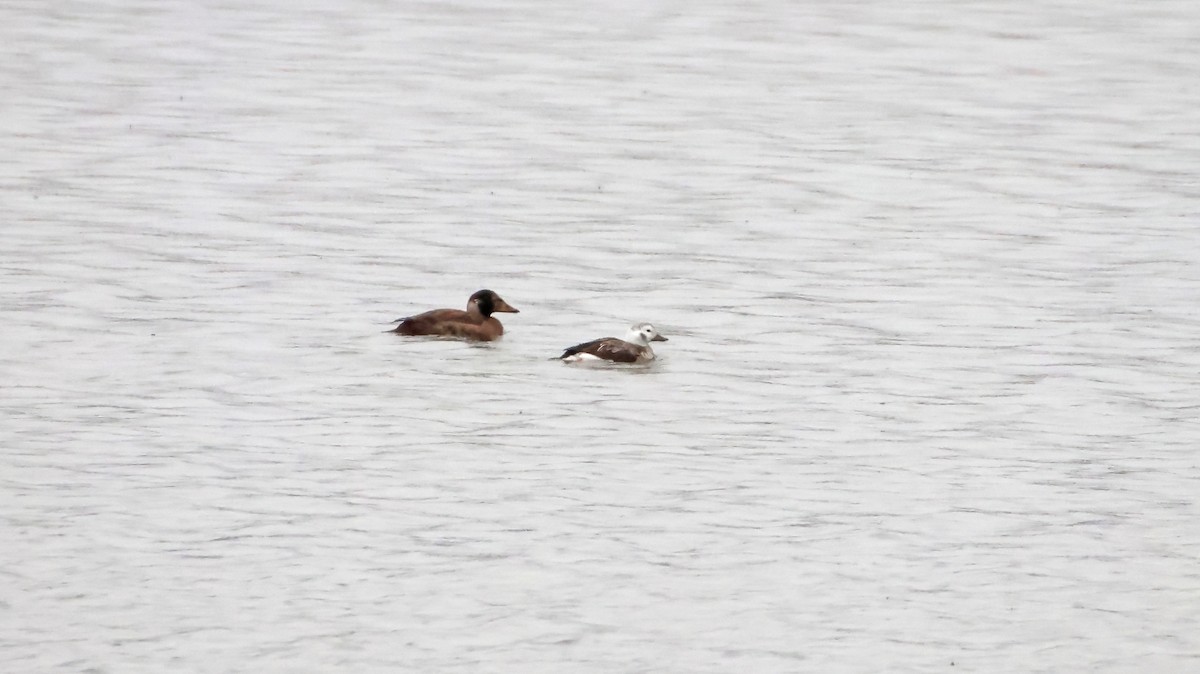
[476, 323]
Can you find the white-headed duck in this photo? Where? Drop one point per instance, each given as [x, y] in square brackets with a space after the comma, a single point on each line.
[635, 348]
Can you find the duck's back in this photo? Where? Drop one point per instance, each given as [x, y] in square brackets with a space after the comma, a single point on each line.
[451, 323]
[607, 348]
[428, 323]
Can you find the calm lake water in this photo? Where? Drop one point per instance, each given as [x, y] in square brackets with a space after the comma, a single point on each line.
[930, 273]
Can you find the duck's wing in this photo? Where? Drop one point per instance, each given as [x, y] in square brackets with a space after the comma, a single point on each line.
[608, 348]
[428, 322]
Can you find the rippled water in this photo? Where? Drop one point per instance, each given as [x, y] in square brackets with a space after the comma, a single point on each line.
[929, 270]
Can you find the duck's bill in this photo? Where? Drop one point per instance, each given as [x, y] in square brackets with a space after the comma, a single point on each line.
[659, 338]
[505, 307]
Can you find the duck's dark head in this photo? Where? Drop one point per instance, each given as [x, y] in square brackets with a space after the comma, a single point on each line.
[489, 303]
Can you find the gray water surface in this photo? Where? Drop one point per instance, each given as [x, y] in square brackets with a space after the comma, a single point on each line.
[930, 273]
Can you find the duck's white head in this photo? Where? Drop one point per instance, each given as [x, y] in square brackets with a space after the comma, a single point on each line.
[642, 334]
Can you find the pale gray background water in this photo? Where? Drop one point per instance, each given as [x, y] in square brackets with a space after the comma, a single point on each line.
[930, 272]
